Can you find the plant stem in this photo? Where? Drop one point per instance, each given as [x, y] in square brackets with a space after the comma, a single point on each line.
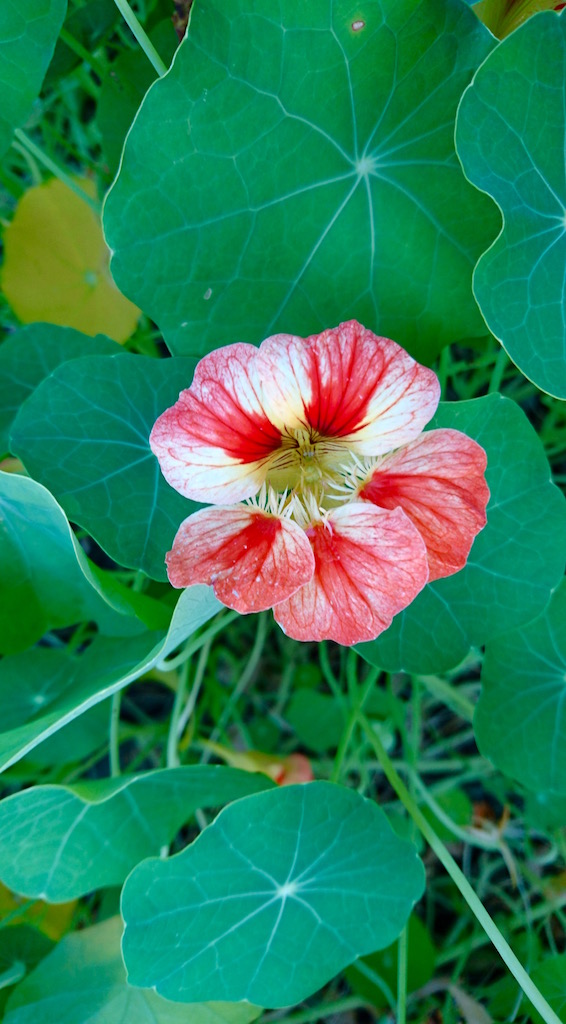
[460, 880]
[172, 757]
[114, 740]
[141, 36]
[219, 623]
[50, 165]
[501, 361]
[245, 678]
[358, 699]
[402, 976]
[82, 53]
[316, 1013]
[450, 695]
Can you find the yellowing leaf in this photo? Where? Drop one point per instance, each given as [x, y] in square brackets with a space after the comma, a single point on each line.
[283, 770]
[503, 16]
[51, 919]
[56, 264]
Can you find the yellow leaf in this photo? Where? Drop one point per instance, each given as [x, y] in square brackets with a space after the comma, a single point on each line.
[53, 919]
[56, 264]
[283, 770]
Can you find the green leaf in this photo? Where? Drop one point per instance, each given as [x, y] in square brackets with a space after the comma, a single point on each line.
[317, 720]
[510, 137]
[60, 842]
[123, 90]
[42, 689]
[281, 892]
[291, 193]
[44, 578]
[23, 946]
[550, 978]
[76, 741]
[28, 33]
[515, 562]
[31, 354]
[87, 25]
[84, 433]
[86, 969]
[520, 721]
[385, 963]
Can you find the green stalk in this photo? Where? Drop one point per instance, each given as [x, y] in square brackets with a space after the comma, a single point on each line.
[402, 976]
[476, 906]
[82, 53]
[114, 742]
[218, 624]
[245, 678]
[50, 165]
[180, 697]
[141, 36]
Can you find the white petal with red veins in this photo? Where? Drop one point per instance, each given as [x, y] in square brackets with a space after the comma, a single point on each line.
[439, 482]
[252, 559]
[369, 565]
[215, 443]
[347, 384]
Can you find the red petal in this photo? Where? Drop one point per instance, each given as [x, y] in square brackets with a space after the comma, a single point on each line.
[347, 383]
[213, 444]
[439, 482]
[252, 559]
[368, 567]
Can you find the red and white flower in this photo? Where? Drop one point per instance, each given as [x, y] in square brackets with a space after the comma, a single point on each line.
[328, 503]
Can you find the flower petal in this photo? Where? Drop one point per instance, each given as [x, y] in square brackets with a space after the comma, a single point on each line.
[251, 558]
[347, 383]
[367, 568]
[439, 482]
[213, 444]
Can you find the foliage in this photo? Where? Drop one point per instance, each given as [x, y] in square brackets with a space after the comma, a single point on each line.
[297, 165]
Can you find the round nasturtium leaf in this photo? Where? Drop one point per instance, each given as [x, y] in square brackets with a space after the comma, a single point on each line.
[44, 583]
[55, 841]
[296, 168]
[520, 720]
[511, 132]
[44, 688]
[28, 33]
[31, 354]
[56, 264]
[515, 563]
[86, 970]
[281, 892]
[84, 433]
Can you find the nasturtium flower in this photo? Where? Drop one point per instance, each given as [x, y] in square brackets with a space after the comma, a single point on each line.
[326, 500]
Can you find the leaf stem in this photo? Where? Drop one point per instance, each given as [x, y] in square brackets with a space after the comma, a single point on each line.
[245, 678]
[50, 165]
[218, 624]
[315, 1013]
[450, 695]
[402, 965]
[172, 756]
[114, 739]
[141, 36]
[460, 880]
[82, 53]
